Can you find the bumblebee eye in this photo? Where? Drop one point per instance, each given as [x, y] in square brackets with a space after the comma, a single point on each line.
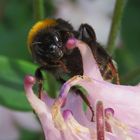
[56, 38]
[52, 48]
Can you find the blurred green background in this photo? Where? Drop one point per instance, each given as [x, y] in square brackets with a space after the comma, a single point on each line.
[17, 17]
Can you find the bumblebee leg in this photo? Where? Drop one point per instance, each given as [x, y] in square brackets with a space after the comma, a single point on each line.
[114, 73]
[86, 32]
[61, 80]
[117, 79]
[78, 92]
[39, 78]
[62, 65]
[88, 104]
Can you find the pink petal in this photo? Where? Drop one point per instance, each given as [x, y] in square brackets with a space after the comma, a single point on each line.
[75, 103]
[78, 132]
[51, 133]
[135, 133]
[68, 126]
[47, 100]
[118, 128]
[90, 66]
[125, 100]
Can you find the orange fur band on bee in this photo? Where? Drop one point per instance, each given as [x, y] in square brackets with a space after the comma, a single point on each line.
[37, 27]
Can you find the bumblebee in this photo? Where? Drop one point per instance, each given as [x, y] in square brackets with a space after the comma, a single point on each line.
[47, 40]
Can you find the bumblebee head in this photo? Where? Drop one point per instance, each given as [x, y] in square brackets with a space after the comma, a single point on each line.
[44, 42]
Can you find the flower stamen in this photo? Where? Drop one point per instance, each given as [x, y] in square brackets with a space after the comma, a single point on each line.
[108, 112]
[100, 121]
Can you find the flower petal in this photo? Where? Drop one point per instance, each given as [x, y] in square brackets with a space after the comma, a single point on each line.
[47, 100]
[125, 100]
[69, 128]
[78, 132]
[75, 103]
[51, 133]
[120, 129]
[90, 66]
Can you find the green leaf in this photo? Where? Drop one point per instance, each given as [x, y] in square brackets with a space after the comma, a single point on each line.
[14, 26]
[30, 135]
[12, 73]
[127, 56]
[52, 85]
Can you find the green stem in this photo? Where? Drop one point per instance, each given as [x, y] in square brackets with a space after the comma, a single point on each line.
[38, 6]
[116, 21]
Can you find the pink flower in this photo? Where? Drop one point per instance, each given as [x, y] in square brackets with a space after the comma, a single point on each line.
[117, 113]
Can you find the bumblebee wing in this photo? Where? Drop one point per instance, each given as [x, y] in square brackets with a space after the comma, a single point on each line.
[107, 66]
[86, 32]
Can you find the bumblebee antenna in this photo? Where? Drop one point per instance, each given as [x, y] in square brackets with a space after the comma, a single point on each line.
[36, 43]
